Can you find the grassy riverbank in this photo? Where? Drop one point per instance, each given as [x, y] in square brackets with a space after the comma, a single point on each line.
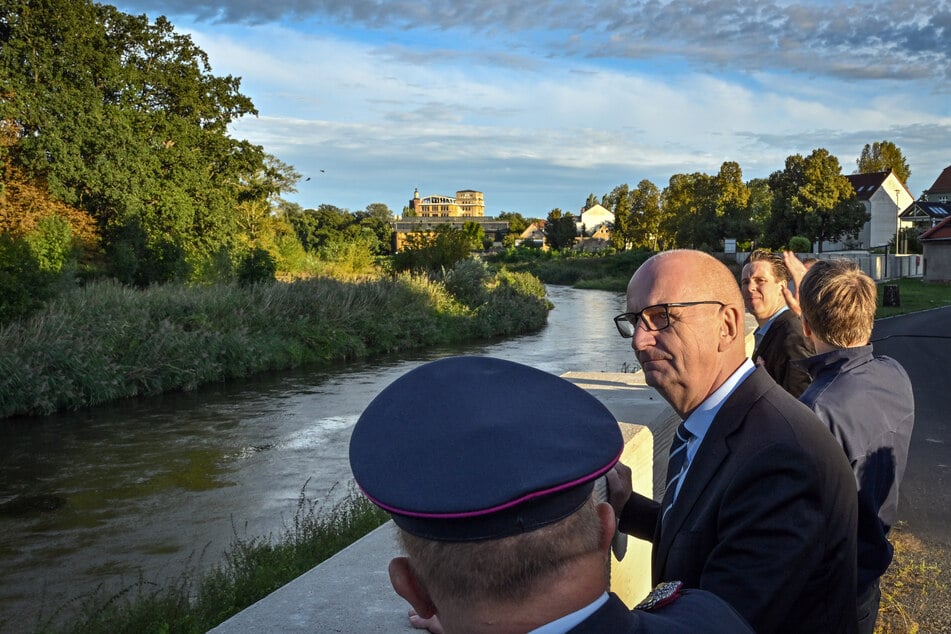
[252, 569]
[105, 341]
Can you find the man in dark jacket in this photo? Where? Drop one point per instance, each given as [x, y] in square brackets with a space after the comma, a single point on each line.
[779, 336]
[488, 468]
[866, 401]
[760, 504]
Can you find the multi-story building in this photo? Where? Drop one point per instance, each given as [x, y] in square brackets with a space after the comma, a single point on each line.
[429, 212]
[468, 203]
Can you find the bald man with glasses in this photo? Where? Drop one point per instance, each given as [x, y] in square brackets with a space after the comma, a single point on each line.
[759, 506]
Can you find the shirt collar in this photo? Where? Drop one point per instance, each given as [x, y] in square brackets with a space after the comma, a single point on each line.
[762, 329]
[700, 419]
[565, 623]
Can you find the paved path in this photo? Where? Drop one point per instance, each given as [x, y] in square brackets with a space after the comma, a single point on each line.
[922, 343]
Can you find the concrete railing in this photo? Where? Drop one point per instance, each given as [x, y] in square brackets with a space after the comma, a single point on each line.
[351, 592]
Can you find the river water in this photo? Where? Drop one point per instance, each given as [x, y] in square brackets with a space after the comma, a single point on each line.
[150, 488]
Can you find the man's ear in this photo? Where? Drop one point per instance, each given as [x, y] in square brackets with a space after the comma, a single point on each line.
[608, 526]
[410, 587]
[731, 320]
[806, 330]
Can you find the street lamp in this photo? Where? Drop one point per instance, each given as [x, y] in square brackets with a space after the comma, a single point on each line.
[897, 222]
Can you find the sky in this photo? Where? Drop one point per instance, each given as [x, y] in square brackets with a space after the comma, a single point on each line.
[540, 103]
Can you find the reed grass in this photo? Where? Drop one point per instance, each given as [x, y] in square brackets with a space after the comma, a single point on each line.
[106, 341]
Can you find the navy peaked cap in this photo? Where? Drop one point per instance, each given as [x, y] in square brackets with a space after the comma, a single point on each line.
[472, 448]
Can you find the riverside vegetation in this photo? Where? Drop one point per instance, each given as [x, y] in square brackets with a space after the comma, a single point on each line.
[106, 341]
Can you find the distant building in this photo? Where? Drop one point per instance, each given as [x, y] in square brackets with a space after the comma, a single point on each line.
[593, 218]
[924, 214]
[940, 191]
[936, 252]
[433, 211]
[884, 197]
[534, 235]
[468, 203]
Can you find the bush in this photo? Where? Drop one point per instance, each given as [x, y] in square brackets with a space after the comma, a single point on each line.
[799, 244]
[466, 282]
[257, 266]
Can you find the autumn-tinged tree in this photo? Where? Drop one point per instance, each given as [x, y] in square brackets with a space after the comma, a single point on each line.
[123, 119]
[881, 157]
[812, 198]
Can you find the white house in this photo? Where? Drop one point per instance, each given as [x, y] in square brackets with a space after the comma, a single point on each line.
[884, 197]
[592, 218]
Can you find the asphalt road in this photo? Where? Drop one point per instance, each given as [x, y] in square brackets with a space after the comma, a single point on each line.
[922, 343]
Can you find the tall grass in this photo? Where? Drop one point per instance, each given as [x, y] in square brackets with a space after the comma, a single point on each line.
[252, 569]
[106, 341]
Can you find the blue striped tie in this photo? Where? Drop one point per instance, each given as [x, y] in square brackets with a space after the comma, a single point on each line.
[676, 466]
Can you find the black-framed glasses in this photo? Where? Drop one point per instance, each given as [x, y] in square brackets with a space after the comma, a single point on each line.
[653, 318]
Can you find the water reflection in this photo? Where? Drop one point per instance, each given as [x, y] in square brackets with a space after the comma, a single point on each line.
[153, 486]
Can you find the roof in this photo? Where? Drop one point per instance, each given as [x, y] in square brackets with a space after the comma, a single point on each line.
[941, 231]
[866, 184]
[942, 184]
[920, 208]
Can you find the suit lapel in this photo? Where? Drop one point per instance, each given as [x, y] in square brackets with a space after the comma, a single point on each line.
[713, 451]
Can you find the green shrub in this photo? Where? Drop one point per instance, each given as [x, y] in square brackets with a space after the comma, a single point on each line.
[799, 244]
[466, 281]
[257, 266]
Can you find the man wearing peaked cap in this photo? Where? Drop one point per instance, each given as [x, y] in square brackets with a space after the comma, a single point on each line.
[488, 469]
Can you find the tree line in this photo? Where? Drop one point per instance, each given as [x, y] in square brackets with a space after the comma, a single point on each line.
[809, 198]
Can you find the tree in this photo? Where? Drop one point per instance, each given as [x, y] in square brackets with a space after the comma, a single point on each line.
[619, 202]
[690, 210]
[882, 157]
[432, 251]
[646, 216]
[560, 230]
[123, 119]
[812, 198]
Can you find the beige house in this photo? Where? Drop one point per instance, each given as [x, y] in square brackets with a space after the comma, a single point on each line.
[533, 234]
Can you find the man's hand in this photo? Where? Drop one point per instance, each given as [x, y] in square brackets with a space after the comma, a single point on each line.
[619, 487]
[797, 270]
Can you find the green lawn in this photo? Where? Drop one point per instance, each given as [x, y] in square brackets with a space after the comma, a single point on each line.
[914, 295]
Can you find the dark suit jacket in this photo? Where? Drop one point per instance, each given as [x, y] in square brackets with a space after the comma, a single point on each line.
[765, 518]
[694, 611]
[782, 343]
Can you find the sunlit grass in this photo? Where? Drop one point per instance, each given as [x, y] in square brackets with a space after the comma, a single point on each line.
[908, 586]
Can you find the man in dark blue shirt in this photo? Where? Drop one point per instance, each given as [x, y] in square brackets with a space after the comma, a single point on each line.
[867, 402]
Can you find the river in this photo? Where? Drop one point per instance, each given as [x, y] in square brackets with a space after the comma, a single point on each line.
[149, 488]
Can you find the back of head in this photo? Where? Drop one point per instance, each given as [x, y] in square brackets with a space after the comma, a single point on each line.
[487, 467]
[838, 301]
[775, 261]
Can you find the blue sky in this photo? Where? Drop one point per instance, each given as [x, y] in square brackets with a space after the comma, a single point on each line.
[540, 103]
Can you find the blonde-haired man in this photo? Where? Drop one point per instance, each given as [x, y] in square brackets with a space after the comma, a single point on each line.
[866, 401]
